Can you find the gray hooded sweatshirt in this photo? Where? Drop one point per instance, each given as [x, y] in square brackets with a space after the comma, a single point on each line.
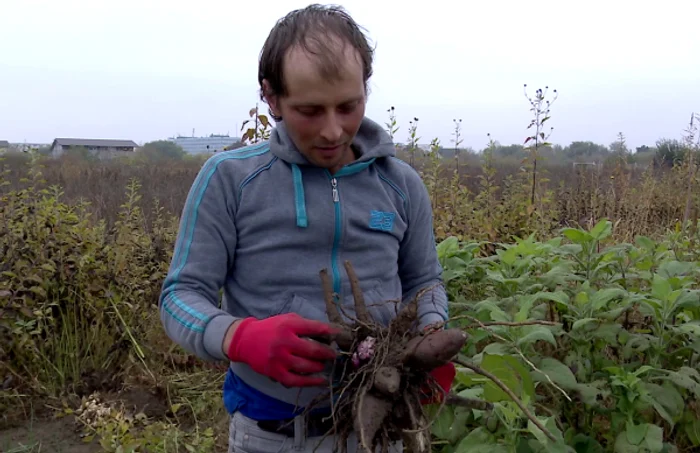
[261, 222]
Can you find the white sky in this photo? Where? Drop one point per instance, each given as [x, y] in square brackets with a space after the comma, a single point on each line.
[147, 70]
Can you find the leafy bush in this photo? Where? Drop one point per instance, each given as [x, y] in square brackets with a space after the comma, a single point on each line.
[610, 361]
[79, 318]
[75, 295]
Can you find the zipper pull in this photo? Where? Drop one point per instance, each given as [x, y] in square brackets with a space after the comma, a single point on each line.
[334, 183]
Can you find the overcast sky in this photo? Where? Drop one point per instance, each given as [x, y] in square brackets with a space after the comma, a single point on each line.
[147, 70]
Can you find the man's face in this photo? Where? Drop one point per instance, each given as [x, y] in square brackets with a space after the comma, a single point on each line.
[322, 116]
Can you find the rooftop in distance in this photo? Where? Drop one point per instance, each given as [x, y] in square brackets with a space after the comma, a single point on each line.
[199, 145]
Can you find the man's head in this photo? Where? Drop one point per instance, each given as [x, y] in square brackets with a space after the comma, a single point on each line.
[313, 74]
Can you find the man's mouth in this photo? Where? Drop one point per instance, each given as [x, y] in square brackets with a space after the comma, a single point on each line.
[329, 150]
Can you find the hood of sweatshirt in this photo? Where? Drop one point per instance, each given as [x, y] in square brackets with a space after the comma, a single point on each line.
[370, 142]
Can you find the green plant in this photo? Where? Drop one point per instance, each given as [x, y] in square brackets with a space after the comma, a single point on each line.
[616, 370]
[412, 140]
[540, 109]
[392, 125]
[259, 130]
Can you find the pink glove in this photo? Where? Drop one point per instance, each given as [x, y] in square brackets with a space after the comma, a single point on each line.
[273, 347]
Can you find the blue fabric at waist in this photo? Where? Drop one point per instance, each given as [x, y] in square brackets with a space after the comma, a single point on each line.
[241, 397]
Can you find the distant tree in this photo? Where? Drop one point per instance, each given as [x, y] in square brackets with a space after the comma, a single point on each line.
[669, 152]
[43, 150]
[585, 150]
[162, 150]
[619, 146]
[509, 151]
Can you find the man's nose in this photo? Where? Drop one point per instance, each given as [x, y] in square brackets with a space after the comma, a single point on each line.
[332, 130]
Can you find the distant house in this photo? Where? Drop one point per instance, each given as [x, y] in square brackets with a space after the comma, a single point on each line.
[102, 148]
[205, 145]
[4, 145]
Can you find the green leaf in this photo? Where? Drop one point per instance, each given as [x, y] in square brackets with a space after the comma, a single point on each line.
[470, 379]
[601, 298]
[479, 441]
[688, 299]
[559, 373]
[607, 332]
[560, 297]
[691, 328]
[645, 243]
[654, 439]
[674, 268]
[508, 256]
[577, 236]
[622, 445]
[447, 247]
[692, 430]
[557, 276]
[613, 314]
[685, 378]
[474, 393]
[660, 287]
[526, 303]
[666, 399]
[583, 443]
[636, 433]
[602, 229]
[549, 423]
[512, 373]
[497, 349]
[584, 322]
[538, 333]
[495, 312]
[592, 392]
[450, 423]
[581, 298]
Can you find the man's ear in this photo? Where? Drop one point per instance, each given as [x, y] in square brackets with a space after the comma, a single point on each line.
[270, 97]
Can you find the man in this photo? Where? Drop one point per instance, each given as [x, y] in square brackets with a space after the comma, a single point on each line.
[262, 221]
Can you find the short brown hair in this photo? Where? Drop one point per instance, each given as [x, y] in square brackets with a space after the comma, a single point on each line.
[310, 28]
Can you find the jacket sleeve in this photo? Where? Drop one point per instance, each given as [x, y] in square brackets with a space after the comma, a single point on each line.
[419, 267]
[204, 251]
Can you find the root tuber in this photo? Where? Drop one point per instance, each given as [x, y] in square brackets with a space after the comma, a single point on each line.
[360, 307]
[370, 413]
[344, 338]
[387, 380]
[434, 349]
[384, 370]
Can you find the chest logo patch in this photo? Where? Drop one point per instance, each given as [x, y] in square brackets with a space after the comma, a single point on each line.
[382, 221]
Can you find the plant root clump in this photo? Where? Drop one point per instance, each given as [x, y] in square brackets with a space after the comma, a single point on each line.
[383, 378]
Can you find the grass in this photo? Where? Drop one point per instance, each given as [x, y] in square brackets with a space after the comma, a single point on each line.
[85, 244]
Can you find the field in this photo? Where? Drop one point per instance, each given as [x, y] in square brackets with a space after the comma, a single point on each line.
[576, 284]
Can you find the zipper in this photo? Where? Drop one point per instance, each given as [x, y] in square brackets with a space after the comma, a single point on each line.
[334, 183]
[336, 236]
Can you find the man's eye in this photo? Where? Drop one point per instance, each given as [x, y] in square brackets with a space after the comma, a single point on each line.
[348, 107]
[308, 112]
